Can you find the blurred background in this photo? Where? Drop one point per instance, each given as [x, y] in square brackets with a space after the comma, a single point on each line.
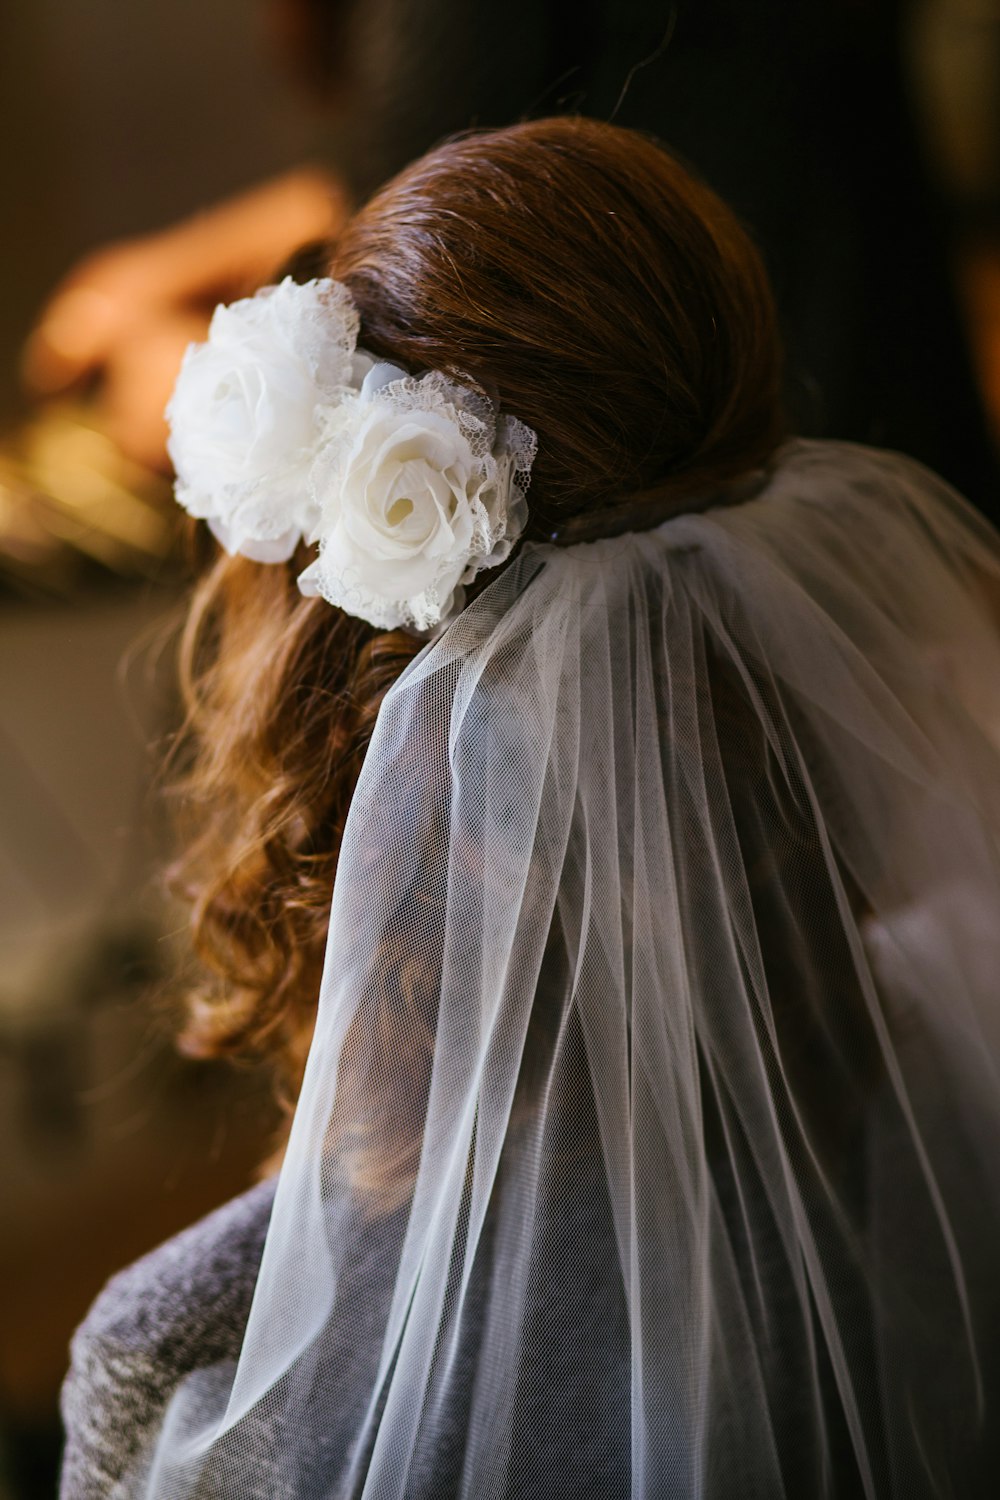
[116, 120]
[860, 140]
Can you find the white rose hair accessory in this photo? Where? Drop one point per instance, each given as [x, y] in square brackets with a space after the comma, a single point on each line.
[283, 430]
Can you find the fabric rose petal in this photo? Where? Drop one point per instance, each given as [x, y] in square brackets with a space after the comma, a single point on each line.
[281, 429]
[245, 415]
[417, 491]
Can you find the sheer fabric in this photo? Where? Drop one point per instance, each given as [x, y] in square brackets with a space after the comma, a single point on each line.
[654, 1083]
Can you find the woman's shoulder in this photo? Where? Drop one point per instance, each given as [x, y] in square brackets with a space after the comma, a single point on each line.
[157, 1304]
[181, 1307]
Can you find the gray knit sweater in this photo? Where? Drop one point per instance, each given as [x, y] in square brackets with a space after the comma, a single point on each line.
[180, 1308]
[184, 1308]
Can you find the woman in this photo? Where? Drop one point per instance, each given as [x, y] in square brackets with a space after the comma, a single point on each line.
[645, 1144]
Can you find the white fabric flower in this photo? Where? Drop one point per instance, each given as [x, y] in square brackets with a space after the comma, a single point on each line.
[282, 429]
[245, 415]
[418, 488]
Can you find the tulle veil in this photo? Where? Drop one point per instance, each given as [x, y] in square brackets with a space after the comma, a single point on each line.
[649, 1143]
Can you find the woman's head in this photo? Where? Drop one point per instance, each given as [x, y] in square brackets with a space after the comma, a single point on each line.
[599, 293]
[605, 296]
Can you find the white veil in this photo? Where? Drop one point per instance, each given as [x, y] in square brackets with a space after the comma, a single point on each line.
[649, 1143]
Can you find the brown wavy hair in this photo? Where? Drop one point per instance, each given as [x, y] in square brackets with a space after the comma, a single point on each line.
[593, 286]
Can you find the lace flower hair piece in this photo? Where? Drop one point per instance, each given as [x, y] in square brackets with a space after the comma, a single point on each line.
[282, 430]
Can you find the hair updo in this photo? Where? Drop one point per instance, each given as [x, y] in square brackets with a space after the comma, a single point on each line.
[576, 271]
[584, 279]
